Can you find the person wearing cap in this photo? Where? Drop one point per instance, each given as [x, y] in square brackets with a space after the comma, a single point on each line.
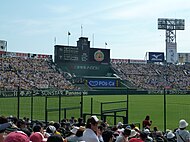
[133, 134]
[182, 134]
[37, 137]
[149, 138]
[37, 134]
[77, 134]
[90, 134]
[50, 130]
[142, 137]
[21, 124]
[2, 130]
[124, 135]
[17, 136]
[120, 128]
[171, 137]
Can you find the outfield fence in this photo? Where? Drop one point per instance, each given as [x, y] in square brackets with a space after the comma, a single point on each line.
[165, 108]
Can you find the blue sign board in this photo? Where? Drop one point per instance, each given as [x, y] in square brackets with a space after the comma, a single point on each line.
[156, 56]
[102, 83]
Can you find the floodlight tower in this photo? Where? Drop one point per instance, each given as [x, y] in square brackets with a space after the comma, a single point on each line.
[171, 25]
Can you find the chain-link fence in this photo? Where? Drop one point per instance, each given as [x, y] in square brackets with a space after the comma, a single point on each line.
[165, 110]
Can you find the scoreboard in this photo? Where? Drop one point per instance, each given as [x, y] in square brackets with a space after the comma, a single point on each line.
[81, 53]
[66, 53]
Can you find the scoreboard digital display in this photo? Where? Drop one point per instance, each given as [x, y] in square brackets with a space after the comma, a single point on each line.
[66, 53]
[82, 53]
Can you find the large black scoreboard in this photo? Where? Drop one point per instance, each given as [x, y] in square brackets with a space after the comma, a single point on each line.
[81, 53]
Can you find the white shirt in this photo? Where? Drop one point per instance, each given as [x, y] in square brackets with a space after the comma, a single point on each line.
[90, 136]
[184, 134]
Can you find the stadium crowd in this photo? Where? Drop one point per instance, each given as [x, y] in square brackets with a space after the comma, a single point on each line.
[93, 130]
[30, 73]
[155, 76]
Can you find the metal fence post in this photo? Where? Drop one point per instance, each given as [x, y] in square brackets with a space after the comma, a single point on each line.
[46, 113]
[59, 107]
[18, 102]
[81, 105]
[127, 111]
[101, 111]
[164, 110]
[91, 106]
[32, 105]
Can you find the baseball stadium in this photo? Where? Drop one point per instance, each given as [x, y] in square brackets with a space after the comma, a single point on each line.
[81, 81]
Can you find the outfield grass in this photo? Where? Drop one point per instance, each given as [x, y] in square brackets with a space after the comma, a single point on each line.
[178, 107]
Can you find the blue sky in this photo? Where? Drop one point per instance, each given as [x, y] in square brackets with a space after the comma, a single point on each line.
[129, 27]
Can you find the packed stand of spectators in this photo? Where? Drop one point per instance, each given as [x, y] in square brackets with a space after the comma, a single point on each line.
[155, 76]
[30, 73]
[93, 130]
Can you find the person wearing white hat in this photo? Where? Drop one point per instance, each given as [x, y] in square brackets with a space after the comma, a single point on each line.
[182, 134]
[170, 137]
[90, 134]
[124, 136]
[147, 131]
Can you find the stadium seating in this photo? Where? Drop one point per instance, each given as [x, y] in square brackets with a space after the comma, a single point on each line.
[29, 73]
[154, 76]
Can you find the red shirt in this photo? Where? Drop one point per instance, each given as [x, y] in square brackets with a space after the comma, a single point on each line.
[136, 140]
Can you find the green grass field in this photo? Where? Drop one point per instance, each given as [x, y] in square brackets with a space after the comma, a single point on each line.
[177, 107]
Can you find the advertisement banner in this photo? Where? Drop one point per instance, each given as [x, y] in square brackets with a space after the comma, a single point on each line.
[137, 61]
[171, 53]
[102, 83]
[156, 56]
[183, 57]
[3, 45]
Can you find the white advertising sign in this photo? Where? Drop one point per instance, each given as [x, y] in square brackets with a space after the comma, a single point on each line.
[171, 53]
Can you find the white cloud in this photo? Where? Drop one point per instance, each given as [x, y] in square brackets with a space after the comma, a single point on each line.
[147, 9]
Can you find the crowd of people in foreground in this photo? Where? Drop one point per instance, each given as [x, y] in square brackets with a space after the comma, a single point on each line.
[93, 130]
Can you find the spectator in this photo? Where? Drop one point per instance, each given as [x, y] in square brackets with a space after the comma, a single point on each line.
[17, 136]
[3, 127]
[171, 137]
[134, 134]
[37, 137]
[21, 124]
[160, 137]
[99, 133]
[146, 122]
[90, 134]
[182, 134]
[124, 136]
[120, 127]
[55, 138]
[50, 130]
[149, 138]
[107, 136]
[77, 134]
[142, 137]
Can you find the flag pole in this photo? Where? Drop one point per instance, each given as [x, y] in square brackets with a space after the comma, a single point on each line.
[106, 44]
[68, 37]
[81, 30]
[54, 40]
[93, 40]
